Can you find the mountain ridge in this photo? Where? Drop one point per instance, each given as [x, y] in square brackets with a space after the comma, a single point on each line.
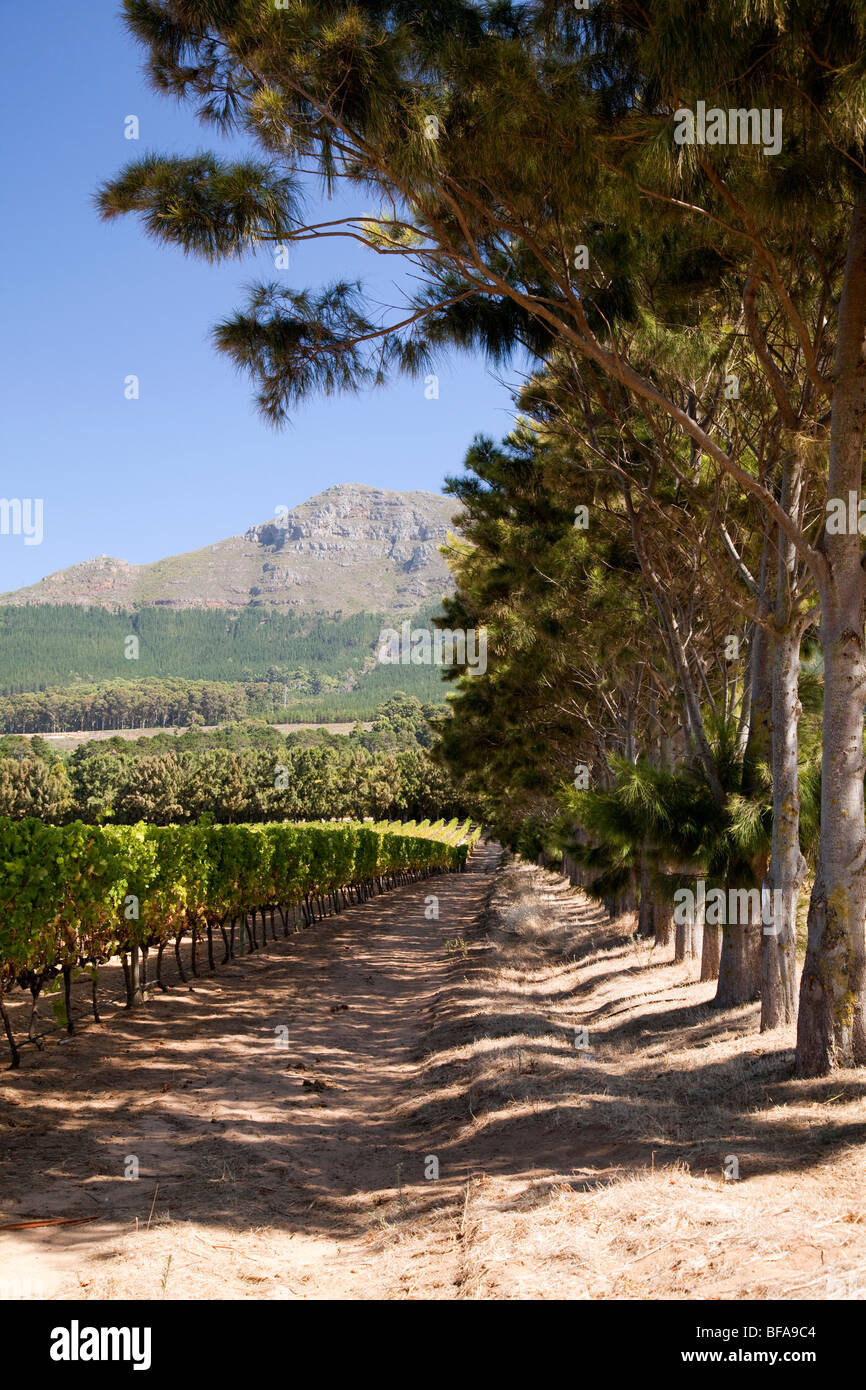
[349, 548]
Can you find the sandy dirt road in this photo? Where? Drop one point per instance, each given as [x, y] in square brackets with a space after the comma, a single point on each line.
[577, 1088]
[269, 1115]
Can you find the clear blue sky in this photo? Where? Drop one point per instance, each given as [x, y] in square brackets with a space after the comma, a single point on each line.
[87, 303]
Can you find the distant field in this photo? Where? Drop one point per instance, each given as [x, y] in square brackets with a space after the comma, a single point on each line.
[68, 741]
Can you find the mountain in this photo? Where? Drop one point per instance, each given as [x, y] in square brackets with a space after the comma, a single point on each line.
[350, 548]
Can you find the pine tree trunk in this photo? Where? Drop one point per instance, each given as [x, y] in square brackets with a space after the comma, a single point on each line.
[689, 940]
[628, 901]
[787, 865]
[732, 953]
[646, 916]
[831, 1026]
[646, 905]
[663, 920]
[711, 951]
[740, 962]
[696, 943]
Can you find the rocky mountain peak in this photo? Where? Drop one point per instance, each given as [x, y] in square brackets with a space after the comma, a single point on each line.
[351, 547]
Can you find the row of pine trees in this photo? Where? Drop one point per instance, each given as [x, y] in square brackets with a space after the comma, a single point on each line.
[693, 312]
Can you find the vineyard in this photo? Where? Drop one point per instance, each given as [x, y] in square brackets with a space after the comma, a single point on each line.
[74, 897]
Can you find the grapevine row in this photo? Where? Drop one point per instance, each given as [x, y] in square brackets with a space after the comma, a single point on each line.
[72, 897]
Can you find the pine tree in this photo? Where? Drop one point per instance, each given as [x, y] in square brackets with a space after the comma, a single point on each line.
[493, 136]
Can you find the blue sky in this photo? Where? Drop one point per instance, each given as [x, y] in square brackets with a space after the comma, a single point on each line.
[86, 304]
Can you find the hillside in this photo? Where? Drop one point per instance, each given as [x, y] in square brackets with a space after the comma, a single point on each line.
[351, 548]
[297, 602]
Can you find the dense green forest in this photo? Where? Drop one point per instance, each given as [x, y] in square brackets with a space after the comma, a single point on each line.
[244, 772]
[158, 703]
[44, 645]
[65, 668]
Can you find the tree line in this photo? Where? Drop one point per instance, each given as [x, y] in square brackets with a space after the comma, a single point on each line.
[695, 310]
[300, 695]
[578, 744]
[244, 773]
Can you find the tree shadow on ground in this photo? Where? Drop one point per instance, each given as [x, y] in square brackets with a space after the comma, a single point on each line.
[420, 1057]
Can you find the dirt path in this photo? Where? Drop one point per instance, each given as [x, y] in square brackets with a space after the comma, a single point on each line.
[272, 1105]
[665, 1153]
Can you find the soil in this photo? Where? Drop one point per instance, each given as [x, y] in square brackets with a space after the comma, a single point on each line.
[394, 1105]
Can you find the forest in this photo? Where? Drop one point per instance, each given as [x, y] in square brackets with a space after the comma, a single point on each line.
[243, 772]
[62, 664]
[54, 644]
[300, 695]
[696, 312]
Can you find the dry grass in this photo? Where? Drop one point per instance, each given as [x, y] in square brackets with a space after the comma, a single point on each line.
[601, 1131]
[674, 1158]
